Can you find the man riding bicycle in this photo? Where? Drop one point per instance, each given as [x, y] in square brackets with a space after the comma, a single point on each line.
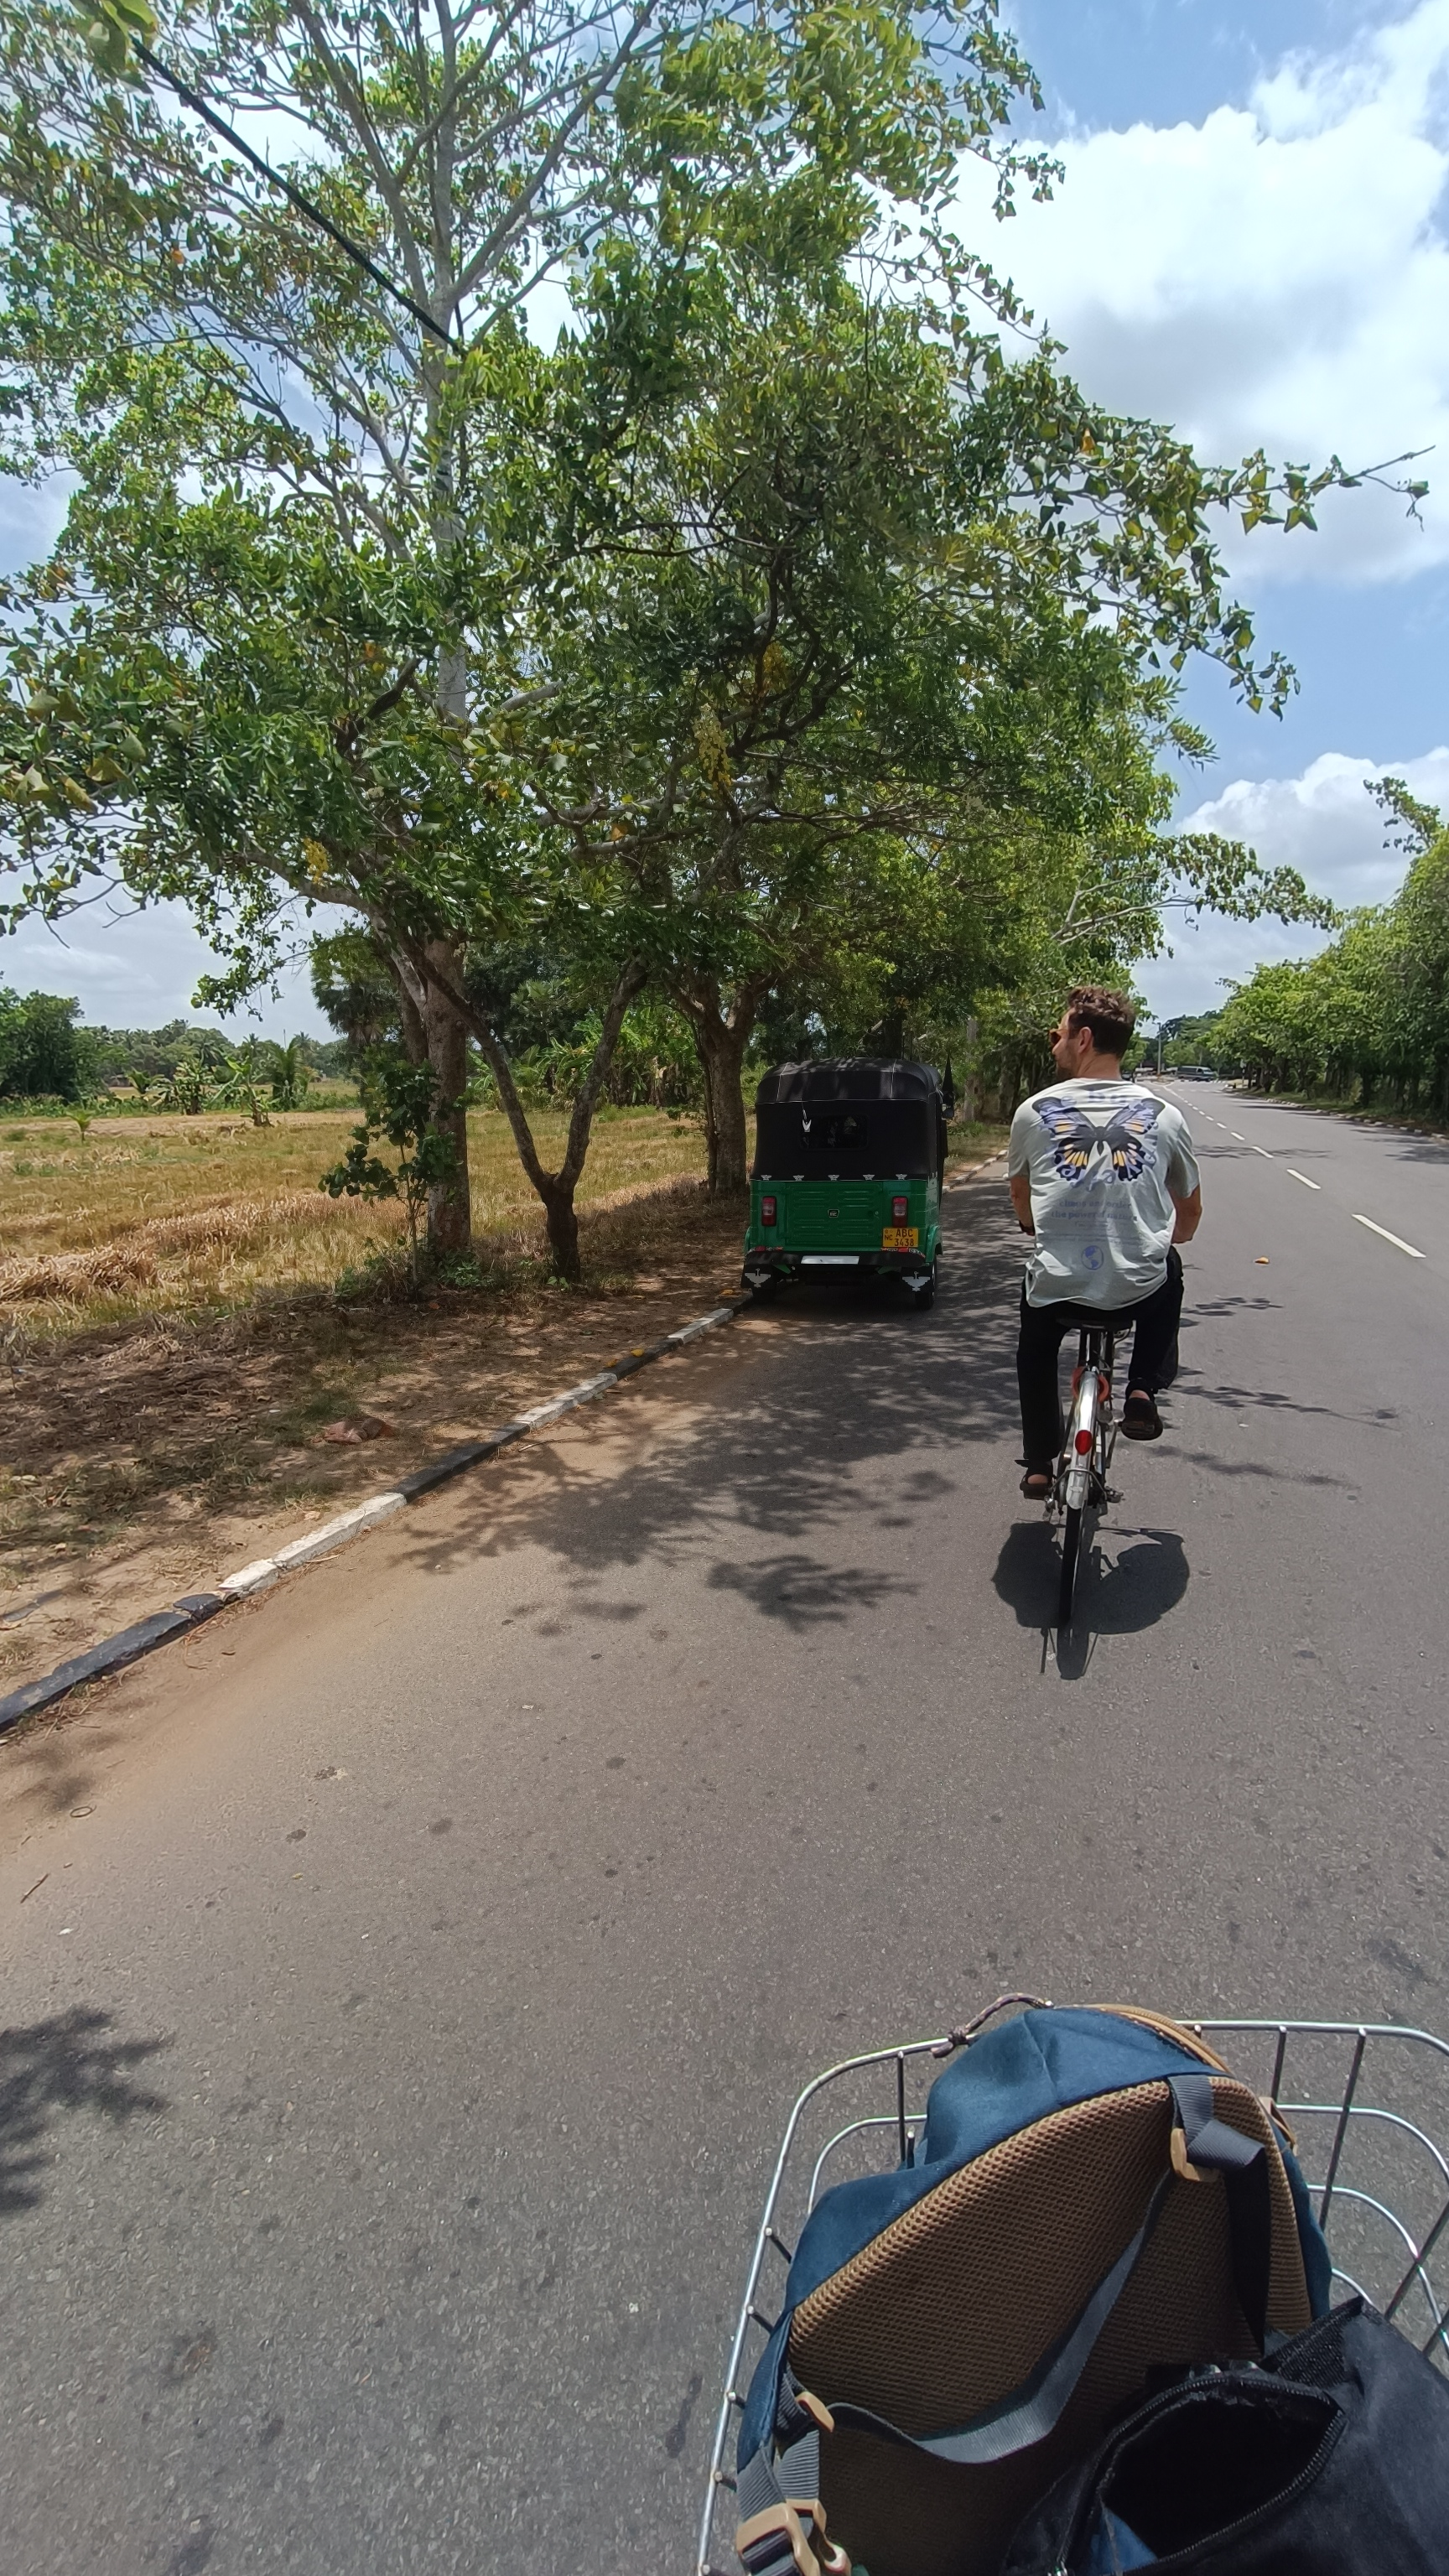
[1103, 1178]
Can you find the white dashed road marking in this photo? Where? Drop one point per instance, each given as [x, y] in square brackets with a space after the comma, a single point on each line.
[1396, 1239]
[1263, 1150]
[1303, 1177]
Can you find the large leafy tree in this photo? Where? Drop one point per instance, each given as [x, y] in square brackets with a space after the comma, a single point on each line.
[42, 1052]
[318, 341]
[861, 654]
[677, 652]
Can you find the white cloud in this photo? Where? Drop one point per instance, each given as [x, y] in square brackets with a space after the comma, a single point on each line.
[1276, 276]
[139, 970]
[1322, 823]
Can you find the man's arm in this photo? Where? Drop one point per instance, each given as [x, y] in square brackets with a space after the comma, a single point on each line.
[1020, 1186]
[1184, 1187]
[1189, 1214]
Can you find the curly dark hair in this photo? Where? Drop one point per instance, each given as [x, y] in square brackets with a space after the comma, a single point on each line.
[1111, 1017]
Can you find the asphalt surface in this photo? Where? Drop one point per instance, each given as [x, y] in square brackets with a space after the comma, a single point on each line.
[407, 1977]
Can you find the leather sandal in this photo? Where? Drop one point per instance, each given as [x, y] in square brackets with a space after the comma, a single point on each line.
[1140, 1417]
[1036, 1484]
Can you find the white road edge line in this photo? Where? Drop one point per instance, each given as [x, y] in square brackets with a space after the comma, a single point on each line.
[1303, 1177]
[1396, 1239]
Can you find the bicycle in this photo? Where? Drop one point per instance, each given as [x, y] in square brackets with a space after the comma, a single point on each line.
[1378, 2180]
[1080, 1484]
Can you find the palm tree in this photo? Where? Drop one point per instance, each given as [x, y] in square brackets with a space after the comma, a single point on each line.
[240, 1081]
[290, 1072]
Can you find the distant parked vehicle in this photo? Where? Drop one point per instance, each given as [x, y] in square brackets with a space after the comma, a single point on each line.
[1190, 1072]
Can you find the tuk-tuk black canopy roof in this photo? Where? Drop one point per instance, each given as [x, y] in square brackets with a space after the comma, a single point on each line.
[848, 1077]
[849, 1118]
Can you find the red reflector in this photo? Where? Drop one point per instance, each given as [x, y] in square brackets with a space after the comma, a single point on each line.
[767, 1211]
[1083, 1443]
[900, 1210]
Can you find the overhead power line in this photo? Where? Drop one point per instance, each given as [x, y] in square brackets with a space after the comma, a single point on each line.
[351, 250]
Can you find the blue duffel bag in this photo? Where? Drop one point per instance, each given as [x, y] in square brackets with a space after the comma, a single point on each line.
[1094, 2196]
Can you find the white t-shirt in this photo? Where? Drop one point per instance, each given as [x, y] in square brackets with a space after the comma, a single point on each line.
[1102, 1157]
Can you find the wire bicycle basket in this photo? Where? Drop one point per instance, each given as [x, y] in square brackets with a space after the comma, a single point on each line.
[1365, 2103]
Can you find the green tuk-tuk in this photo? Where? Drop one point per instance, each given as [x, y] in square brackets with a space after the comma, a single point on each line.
[850, 1156]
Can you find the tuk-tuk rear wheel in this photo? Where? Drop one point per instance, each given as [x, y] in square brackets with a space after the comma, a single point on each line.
[925, 1296]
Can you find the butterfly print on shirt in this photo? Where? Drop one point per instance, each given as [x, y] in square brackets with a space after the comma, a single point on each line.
[1084, 1151]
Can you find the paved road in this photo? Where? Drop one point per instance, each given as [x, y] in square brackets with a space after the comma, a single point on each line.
[419, 1971]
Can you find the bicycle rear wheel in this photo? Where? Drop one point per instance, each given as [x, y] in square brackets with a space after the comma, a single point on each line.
[1071, 1550]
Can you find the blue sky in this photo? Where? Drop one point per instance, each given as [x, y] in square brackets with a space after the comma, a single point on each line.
[1250, 242]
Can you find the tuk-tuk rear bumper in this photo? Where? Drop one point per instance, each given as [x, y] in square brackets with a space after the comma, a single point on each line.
[763, 1263]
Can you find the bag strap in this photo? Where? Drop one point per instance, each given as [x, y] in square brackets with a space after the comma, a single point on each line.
[782, 2520]
[1033, 2410]
[772, 2487]
[1204, 2144]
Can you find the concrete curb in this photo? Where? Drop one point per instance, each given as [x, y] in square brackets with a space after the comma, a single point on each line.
[114, 1653]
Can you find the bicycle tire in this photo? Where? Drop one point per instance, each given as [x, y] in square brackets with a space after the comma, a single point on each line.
[1071, 1550]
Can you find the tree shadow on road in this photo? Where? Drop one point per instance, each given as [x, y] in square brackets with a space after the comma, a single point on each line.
[1234, 1399]
[803, 1592]
[1405, 1147]
[1258, 1468]
[64, 2064]
[838, 1409]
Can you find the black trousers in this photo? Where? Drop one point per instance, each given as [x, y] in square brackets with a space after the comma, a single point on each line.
[1153, 1322]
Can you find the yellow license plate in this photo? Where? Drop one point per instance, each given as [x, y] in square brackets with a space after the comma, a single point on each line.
[900, 1238]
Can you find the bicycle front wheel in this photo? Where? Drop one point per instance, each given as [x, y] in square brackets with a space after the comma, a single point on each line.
[1071, 1550]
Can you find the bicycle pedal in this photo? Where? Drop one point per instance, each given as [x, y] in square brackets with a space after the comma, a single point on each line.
[1110, 1494]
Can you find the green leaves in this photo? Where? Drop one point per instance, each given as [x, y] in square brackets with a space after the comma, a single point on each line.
[401, 1103]
[111, 29]
[1369, 1016]
[1223, 876]
[775, 632]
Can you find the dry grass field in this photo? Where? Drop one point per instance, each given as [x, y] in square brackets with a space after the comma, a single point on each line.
[196, 1216]
[182, 1389]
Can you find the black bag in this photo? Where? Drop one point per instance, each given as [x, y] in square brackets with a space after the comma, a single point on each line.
[1329, 2459]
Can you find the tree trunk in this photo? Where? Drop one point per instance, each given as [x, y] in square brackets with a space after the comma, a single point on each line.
[561, 1219]
[722, 1052]
[435, 1032]
[721, 1037]
[450, 1212]
[438, 970]
[410, 1010]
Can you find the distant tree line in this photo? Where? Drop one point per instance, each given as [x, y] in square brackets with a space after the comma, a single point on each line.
[46, 1054]
[1367, 1020]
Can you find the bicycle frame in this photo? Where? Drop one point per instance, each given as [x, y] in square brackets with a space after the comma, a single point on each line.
[1091, 1407]
[1081, 1478]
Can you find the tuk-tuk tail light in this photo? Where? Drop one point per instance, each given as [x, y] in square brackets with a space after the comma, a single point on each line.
[767, 1211]
[900, 1210]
